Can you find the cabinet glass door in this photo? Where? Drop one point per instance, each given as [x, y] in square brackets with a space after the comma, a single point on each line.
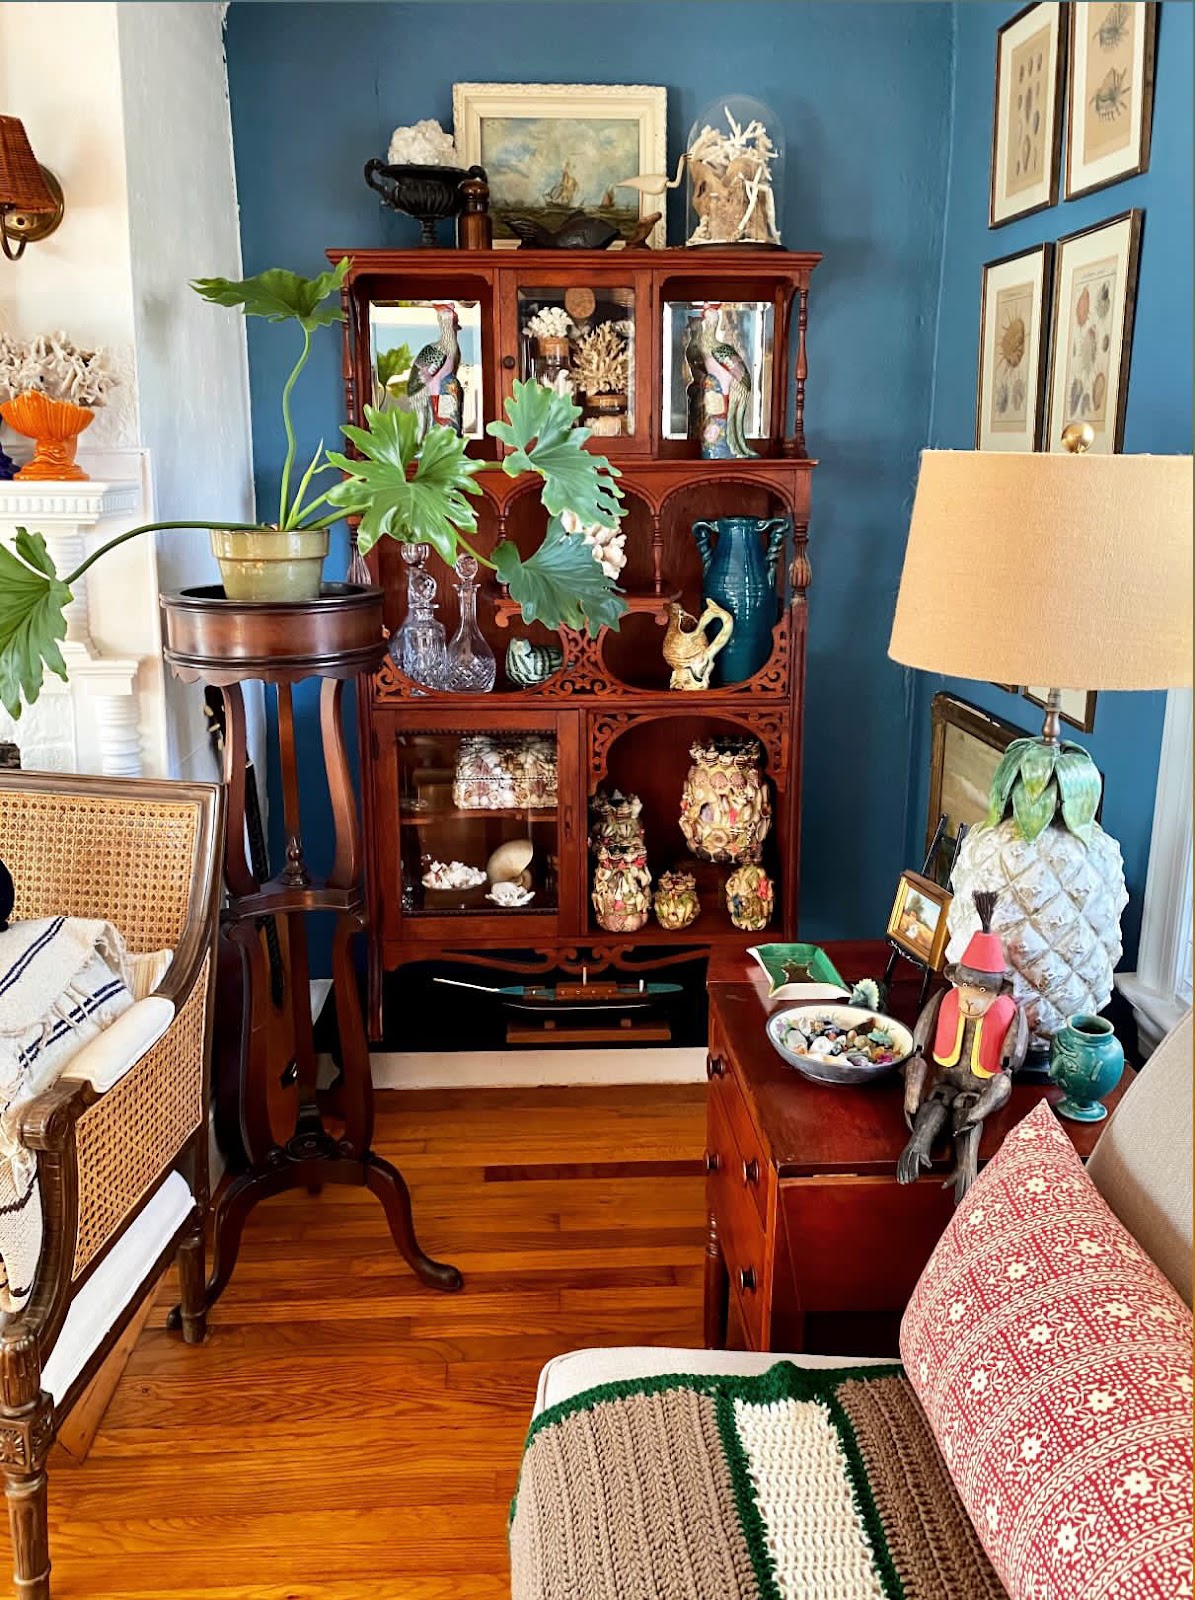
[478, 823]
[427, 355]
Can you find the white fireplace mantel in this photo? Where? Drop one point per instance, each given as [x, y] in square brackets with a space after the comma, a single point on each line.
[91, 723]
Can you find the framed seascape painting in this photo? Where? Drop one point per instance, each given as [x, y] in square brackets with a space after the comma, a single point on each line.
[1027, 120]
[966, 747]
[1111, 92]
[550, 149]
[1095, 288]
[1012, 351]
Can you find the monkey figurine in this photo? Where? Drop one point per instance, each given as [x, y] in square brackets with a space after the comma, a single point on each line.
[968, 1041]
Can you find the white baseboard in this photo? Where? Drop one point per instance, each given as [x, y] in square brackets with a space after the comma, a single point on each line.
[533, 1069]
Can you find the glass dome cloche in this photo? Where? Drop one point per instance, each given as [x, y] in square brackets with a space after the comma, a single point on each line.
[735, 163]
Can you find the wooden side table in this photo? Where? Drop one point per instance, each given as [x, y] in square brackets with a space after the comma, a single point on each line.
[812, 1242]
[336, 638]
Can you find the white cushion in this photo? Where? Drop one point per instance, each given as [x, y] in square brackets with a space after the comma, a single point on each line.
[1142, 1161]
[105, 1059]
[112, 1286]
[147, 968]
[571, 1374]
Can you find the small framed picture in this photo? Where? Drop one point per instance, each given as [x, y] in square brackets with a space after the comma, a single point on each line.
[1095, 293]
[1027, 120]
[917, 925]
[1111, 92]
[1077, 706]
[1010, 397]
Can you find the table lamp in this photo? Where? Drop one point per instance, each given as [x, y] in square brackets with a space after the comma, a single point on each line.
[1071, 570]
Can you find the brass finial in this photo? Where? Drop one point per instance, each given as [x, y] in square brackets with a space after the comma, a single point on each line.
[1078, 438]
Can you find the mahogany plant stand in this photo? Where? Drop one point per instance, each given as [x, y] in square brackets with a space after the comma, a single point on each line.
[336, 638]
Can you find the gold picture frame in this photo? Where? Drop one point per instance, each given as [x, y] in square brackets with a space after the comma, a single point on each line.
[1010, 392]
[917, 922]
[1027, 114]
[966, 747]
[1111, 93]
[552, 148]
[1077, 706]
[1091, 343]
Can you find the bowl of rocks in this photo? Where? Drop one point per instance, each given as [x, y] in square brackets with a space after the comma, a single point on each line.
[839, 1044]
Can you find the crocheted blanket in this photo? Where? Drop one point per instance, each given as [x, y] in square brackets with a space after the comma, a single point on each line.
[796, 1485]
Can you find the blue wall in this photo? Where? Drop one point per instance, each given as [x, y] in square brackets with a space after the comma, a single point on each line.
[862, 91]
[887, 112]
[1128, 727]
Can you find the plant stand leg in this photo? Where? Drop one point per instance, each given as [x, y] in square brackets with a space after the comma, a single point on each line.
[390, 1187]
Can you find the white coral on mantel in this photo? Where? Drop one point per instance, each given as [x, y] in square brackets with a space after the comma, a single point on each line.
[423, 144]
[58, 367]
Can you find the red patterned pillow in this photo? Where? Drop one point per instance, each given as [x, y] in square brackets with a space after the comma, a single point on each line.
[1053, 1361]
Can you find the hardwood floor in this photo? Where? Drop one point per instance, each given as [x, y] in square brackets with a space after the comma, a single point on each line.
[346, 1434]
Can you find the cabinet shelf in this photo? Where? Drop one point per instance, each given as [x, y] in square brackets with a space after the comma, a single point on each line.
[421, 819]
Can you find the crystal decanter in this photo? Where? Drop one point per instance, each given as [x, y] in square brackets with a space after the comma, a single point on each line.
[471, 664]
[418, 646]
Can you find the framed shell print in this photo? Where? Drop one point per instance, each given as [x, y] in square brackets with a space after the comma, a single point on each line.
[1076, 706]
[1095, 291]
[1011, 391]
[1027, 120]
[1111, 92]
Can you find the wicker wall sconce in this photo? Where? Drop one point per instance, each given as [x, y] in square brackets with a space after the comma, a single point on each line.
[30, 195]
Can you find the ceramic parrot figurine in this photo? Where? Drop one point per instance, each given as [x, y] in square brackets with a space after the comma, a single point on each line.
[726, 400]
[968, 1041]
[433, 388]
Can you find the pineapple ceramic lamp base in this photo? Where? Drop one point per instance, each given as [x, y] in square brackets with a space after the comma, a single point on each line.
[54, 426]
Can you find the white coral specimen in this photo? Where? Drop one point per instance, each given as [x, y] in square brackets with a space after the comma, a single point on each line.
[423, 144]
[551, 322]
[600, 361]
[609, 545]
[59, 368]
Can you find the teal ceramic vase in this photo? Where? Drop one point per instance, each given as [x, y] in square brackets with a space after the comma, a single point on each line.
[740, 559]
[1086, 1061]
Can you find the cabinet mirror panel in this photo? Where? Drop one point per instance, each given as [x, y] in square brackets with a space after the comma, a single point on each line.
[478, 823]
[426, 355]
[695, 328]
[581, 342]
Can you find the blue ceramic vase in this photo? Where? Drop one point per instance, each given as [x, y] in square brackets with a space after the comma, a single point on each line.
[740, 560]
[1086, 1061]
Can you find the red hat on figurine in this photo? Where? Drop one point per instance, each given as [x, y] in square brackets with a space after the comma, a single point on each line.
[983, 960]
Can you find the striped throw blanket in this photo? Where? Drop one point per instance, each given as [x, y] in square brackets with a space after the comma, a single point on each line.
[795, 1485]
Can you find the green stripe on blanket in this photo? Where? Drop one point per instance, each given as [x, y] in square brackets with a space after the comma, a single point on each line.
[798, 1484]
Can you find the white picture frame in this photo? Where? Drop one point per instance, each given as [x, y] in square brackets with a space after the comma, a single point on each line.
[1013, 344]
[506, 128]
[1111, 77]
[1027, 116]
[1095, 292]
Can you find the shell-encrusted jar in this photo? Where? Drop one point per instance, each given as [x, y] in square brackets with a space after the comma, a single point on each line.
[621, 888]
[676, 903]
[534, 773]
[726, 806]
[483, 780]
[614, 819]
[750, 898]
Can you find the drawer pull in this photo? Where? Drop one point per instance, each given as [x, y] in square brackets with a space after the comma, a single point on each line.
[747, 1279]
[715, 1067]
[751, 1171]
[713, 1161]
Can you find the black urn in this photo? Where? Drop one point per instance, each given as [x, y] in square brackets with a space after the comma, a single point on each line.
[429, 194]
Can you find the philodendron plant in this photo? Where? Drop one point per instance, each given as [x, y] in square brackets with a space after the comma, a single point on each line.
[403, 486]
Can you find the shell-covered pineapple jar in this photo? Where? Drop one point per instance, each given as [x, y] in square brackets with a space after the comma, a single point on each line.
[750, 898]
[676, 902]
[726, 805]
[622, 888]
[614, 819]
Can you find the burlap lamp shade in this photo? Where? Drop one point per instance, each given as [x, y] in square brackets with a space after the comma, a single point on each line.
[1068, 570]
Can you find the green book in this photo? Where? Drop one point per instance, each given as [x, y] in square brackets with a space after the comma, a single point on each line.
[799, 972]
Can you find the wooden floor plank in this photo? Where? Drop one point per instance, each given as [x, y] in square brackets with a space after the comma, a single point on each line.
[345, 1433]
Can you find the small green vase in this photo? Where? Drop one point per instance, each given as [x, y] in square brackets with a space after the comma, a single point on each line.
[1086, 1061]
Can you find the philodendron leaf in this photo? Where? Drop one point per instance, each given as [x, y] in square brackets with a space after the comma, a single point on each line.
[279, 295]
[429, 506]
[32, 601]
[541, 437]
[1079, 784]
[1034, 814]
[561, 584]
[1037, 766]
[1003, 778]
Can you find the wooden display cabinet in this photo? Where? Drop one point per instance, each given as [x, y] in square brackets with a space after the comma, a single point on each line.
[609, 710]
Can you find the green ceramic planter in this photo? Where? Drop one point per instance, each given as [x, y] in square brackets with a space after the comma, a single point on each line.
[1086, 1061]
[269, 564]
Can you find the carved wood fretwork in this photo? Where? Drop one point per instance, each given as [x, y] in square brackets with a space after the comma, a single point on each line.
[801, 572]
[772, 727]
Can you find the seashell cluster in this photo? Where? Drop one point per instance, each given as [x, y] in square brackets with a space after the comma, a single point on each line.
[676, 903]
[750, 898]
[452, 875]
[505, 773]
[621, 880]
[726, 806]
